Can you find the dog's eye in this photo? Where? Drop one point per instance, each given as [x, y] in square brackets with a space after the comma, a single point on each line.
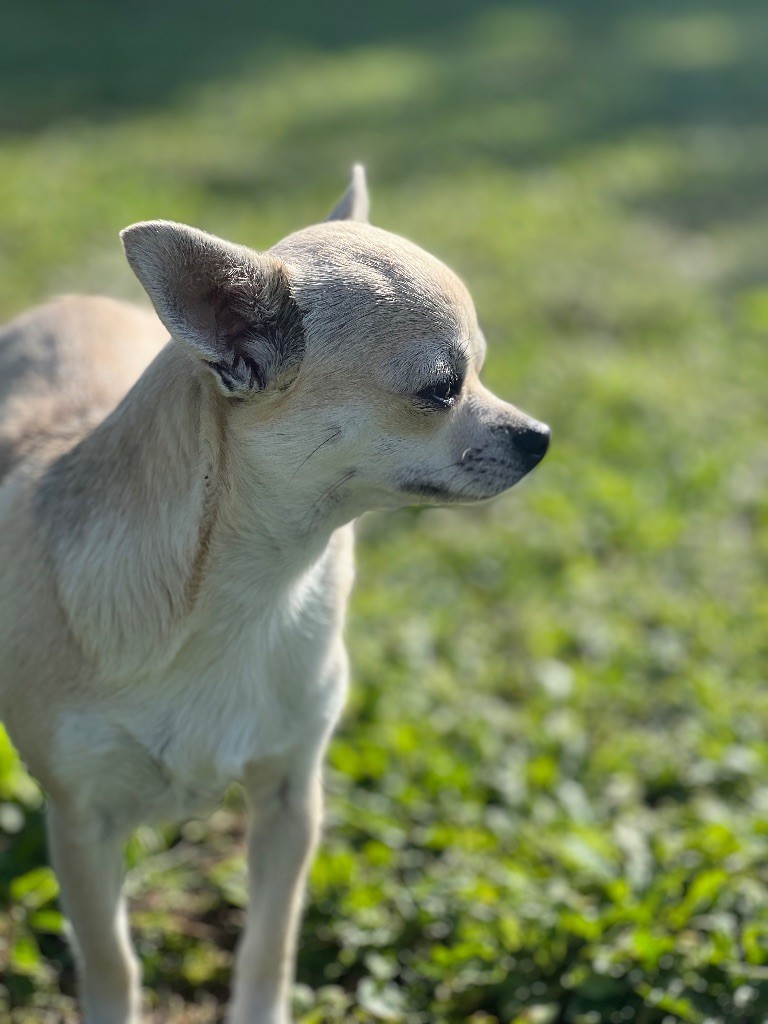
[442, 393]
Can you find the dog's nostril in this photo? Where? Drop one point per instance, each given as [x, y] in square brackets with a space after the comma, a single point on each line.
[533, 442]
[528, 443]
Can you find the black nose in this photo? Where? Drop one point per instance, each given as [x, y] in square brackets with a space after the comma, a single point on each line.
[532, 443]
[529, 443]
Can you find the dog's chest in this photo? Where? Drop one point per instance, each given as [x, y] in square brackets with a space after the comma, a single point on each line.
[231, 699]
[252, 685]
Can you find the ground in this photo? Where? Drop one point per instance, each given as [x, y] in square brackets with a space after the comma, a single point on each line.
[547, 801]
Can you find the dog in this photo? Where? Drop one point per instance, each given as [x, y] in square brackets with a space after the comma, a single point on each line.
[176, 533]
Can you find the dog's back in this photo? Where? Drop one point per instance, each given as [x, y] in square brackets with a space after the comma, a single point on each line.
[67, 363]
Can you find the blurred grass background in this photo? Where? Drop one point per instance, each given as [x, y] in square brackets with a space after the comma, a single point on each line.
[548, 800]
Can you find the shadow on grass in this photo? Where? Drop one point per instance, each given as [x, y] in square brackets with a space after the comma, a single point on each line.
[417, 91]
[93, 60]
[515, 81]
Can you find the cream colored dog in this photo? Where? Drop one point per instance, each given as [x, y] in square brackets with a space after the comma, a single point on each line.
[176, 546]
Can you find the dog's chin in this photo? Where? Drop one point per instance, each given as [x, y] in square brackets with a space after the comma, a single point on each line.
[423, 493]
[427, 492]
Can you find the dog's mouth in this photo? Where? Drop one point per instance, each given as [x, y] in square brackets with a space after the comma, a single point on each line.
[485, 479]
[431, 492]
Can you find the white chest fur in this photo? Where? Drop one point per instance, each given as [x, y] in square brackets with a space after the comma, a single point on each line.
[262, 678]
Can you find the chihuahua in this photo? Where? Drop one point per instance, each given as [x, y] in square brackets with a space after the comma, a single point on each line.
[176, 544]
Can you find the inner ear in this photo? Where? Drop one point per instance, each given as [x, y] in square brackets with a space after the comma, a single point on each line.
[236, 339]
[258, 333]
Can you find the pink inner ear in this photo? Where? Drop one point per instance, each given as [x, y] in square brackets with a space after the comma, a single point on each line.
[232, 324]
[256, 331]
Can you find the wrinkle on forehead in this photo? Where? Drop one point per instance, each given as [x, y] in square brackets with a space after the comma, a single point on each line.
[352, 279]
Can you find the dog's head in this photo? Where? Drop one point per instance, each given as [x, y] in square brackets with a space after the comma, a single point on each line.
[348, 361]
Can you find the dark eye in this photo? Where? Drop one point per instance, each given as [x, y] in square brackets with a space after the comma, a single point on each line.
[442, 393]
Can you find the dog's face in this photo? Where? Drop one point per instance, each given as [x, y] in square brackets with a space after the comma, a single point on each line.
[391, 373]
[350, 363]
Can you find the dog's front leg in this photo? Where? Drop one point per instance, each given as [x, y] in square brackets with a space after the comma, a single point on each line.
[285, 809]
[88, 859]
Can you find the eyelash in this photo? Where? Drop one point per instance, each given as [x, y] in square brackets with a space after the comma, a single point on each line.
[442, 393]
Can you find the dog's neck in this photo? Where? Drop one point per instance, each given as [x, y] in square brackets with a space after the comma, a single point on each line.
[154, 510]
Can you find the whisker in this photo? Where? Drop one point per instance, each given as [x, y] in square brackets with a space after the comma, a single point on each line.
[342, 480]
[317, 506]
[336, 433]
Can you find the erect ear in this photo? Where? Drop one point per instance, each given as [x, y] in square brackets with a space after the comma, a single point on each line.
[354, 204]
[233, 307]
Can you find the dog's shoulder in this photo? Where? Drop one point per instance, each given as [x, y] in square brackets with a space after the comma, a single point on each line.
[66, 363]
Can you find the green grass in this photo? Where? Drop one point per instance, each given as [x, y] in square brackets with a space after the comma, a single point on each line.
[548, 799]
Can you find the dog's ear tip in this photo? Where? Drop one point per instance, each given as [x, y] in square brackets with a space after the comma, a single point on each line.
[354, 204]
[145, 229]
[132, 232]
[139, 227]
[134, 239]
[152, 244]
[137, 238]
